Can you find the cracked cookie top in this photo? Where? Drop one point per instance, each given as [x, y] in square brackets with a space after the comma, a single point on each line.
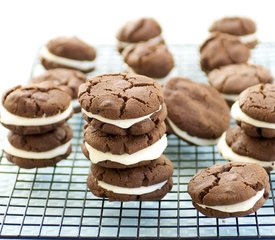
[35, 101]
[258, 102]
[235, 78]
[139, 30]
[120, 96]
[157, 171]
[228, 184]
[222, 49]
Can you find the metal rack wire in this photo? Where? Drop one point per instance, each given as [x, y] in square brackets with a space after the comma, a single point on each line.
[54, 202]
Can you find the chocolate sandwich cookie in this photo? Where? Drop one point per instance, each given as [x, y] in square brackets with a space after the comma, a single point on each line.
[222, 49]
[122, 103]
[196, 112]
[254, 111]
[236, 146]
[68, 52]
[229, 190]
[114, 151]
[34, 109]
[40, 150]
[243, 27]
[151, 60]
[66, 79]
[140, 30]
[231, 80]
[151, 182]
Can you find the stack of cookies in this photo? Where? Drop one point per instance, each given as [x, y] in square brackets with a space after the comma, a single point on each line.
[36, 117]
[125, 137]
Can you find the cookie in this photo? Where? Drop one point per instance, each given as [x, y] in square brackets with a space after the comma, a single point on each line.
[254, 111]
[34, 109]
[196, 112]
[66, 79]
[151, 60]
[68, 52]
[222, 49]
[114, 151]
[231, 80]
[243, 27]
[40, 150]
[140, 30]
[122, 100]
[151, 182]
[236, 146]
[229, 190]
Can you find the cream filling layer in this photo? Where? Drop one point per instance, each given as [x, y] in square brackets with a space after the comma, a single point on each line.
[58, 151]
[192, 139]
[131, 191]
[237, 207]
[239, 115]
[122, 123]
[8, 118]
[248, 38]
[82, 65]
[154, 40]
[228, 154]
[230, 97]
[152, 152]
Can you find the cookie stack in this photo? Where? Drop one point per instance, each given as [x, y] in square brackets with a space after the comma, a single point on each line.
[36, 117]
[253, 140]
[125, 137]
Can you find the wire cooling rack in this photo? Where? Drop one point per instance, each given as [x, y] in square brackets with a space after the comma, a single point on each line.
[54, 202]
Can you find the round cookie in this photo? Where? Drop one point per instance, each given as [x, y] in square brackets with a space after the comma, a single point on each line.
[151, 182]
[229, 190]
[34, 109]
[222, 49]
[236, 146]
[231, 80]
[122, 103]
[254, 111]
[196, 112]
[140, 30]
[66, 79]
[40, 150]
[151, 60]
[68, 52]
[243, 27]
[114, 151]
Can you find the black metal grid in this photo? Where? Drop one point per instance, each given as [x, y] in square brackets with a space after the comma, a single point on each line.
[54, 202]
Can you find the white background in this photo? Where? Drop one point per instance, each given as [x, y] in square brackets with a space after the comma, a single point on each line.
[27, 24]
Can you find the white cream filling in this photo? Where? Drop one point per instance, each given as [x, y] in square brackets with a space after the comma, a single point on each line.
[131, 191]
[152, 152]
[154, 40]
[81, 65]
[60, 150]
[122, 123]
[248, 38]
[237, 207]
[239, 115]
[230, 97]
[192, 139]
[8, 118]
[228, 154]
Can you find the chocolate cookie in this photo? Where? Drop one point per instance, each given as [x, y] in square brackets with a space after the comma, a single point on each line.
[114, 151]
[196, 112]
[243, 27]
[68, 52]
[140, 30]
[231, 80]
[151, 60]
[40, 150]
[222, 49]
[229, 190]
[34, 109]
[66, 79]
[254, 111]
[123, 101]
[151, 182]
